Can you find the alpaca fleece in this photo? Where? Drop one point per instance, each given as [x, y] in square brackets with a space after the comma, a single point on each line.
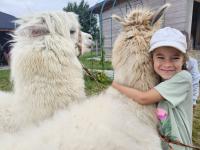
[109, 121]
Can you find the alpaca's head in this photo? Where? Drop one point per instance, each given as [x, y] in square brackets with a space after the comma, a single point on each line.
[131, 60]
[45, 45]
[33, 28]
[87, 42]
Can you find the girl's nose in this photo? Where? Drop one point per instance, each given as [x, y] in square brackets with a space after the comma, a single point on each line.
[167, 63]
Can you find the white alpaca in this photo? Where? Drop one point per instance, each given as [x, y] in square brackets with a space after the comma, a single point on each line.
[87, 42]
[43, 53]
[109, 121]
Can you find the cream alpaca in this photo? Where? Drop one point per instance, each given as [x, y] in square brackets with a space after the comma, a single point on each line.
[43, 53]
[87, 42]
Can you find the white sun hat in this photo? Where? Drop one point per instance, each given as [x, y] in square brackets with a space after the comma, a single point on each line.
[168, 37]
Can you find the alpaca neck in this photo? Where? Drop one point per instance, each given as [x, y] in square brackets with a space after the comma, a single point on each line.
[142, 83]
[52, 85]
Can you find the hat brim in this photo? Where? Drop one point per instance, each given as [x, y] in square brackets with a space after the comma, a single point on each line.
[170, 44]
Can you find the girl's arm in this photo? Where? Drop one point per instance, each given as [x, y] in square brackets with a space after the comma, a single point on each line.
[143, 98]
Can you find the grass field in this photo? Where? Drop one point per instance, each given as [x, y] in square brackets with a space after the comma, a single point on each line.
[94, 64]
[196, 125]
[92, 88]
[5, 84]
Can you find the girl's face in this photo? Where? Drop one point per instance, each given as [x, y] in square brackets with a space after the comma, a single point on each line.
[167, 61]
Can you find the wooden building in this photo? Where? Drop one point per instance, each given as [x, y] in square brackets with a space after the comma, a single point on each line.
[183, 15]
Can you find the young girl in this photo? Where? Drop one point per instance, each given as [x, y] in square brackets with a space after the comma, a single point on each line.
[174, 93]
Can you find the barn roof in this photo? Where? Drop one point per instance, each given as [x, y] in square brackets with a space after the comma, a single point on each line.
[6, 21]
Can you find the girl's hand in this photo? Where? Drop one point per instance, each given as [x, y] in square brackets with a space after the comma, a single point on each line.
[142, 97]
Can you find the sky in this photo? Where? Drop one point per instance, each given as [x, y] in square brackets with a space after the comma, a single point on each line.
[19, 8]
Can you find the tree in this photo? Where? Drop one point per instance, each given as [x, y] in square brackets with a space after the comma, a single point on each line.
[87, 20]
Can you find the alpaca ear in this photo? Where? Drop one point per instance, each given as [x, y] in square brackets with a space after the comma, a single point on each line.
[156, 16]
[129, 35]
[118, 18]
[33, 31]
[36, 31]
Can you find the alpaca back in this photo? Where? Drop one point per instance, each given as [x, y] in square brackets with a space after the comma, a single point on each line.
[101, 122]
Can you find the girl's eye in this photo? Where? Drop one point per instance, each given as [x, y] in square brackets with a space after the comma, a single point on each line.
[176, 58]
[160, 57]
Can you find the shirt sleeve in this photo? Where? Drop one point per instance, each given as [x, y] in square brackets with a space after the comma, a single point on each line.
[176, 89]
[192, 65]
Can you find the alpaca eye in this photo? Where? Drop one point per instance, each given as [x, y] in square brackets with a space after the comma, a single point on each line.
[72, 31]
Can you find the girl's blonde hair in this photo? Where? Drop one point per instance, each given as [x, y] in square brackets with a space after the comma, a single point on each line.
[186, 58]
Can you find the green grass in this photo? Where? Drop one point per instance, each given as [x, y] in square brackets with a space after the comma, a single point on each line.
[5, 84]
[93, 88]
[196, 125]
[94, 64]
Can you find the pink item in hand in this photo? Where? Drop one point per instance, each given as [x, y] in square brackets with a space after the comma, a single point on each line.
[161, 114]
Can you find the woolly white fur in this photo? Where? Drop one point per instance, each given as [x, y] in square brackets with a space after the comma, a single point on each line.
[42, 69]
[109, 121]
